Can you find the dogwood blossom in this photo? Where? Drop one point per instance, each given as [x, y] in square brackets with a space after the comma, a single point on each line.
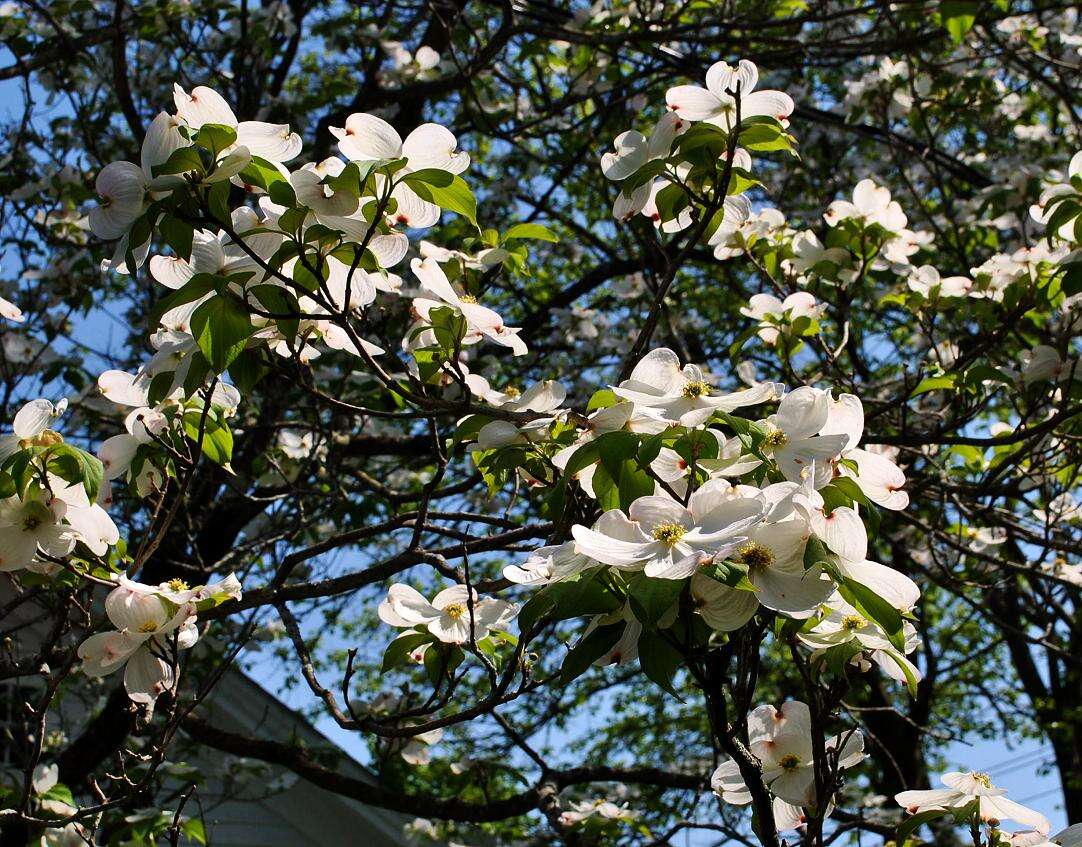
[726, 86]
[966, 787]
[683, 394]
[669, 541]
[150, 622]
[781, 740]
[448, 616]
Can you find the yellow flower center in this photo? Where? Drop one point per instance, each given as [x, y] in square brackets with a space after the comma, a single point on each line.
[984, 779]
[696, 388]
[756, 555]
[776, 438]
[790, 762]
[455, 611]
[148, 626]
[468, 298]
[177, 585]
[668, 533]
[46, 438]
[851, 622]
[512, 392]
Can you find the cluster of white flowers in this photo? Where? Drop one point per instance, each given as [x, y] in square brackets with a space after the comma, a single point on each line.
[781, 740]
[43, 521]
[152, 623]
[729, 92]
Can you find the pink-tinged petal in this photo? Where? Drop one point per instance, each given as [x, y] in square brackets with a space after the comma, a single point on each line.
[760, 393]
[122, 187]
[626, 206]
[796, 786]
[451, 630]
[434, 280]
[845, 417]
[404, 606]
[693, 103]
[33, 418]
[434, 146]
[729, 785]
[936, 798]
[658, 372]
[787, 816]
[631, 149]
[162, 138]
[412, 211]
[723, 608]
[880, 479]
[1001, 809]
[124, 388]
[730, 517]
[273, 142]
[773, 104]
[146, 676]
[843, 533]
[796, 596]
[366, 137]
[103, 653]
[203, 106]
[170, 271]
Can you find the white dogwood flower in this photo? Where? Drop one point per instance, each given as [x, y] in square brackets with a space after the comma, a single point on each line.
[669, 540]
[717, 103]
[965, 787]
[448, 615]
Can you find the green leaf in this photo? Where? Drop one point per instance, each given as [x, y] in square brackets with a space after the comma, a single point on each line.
[911, 681]
[649, 171]
[351, 180]
[958, 17]
[77, 466]
[397, 652]
[180, 161]
[263, 174]
[764, 135]
[603, 398]
[283, 194]
[614, 449]
[215, 137]
[278, 300]
[660, 661]
[670, 201]
[247, 370]
[178, 235]
[441, 660]
[198, 286]
[934, 383]
[455, 196]
[561, 601]
[433, 177]
[218, 201]
[193, 828]
[589, 650]
[217, 441]
[221, 327]
[651, 598]
[538, 232]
